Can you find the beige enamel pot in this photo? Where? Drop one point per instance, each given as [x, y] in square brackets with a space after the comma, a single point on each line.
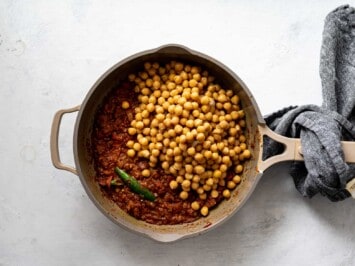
[256, 129]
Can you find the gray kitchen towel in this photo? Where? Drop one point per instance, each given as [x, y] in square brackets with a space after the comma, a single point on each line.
[321, 129]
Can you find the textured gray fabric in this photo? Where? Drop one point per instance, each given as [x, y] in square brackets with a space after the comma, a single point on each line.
[322, 128]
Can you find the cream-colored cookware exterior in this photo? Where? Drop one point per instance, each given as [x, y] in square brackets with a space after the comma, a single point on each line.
[256, 129]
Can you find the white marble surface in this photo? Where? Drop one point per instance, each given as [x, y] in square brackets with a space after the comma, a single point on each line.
[51, 52]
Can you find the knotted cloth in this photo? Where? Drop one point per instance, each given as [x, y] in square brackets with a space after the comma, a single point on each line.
[321, 129]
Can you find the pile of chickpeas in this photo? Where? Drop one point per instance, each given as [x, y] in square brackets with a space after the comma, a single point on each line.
[190, 127]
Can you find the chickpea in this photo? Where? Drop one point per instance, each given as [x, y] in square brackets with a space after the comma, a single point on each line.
[214, 194]
[242, 138]
[146, 122]
[231, 185]
[156, 84]
[209, 182]
[191, 151]
[141, 84]
[146, 173]
[159, 137]
[178, 158]
[235, 99]
[232, 153]
[188, 176]
[199, 157]
[150, 107]
[165, 165]
[241, 114]
[197, 122]
[236, 179]
[214, 148]
[204, 80]
[178, 67]
[246, 154]
[131, 152]
[205, 100]
[224, 124]
[132, 131]
[200, 191]
[161, 99]
[165, 94]
[125, 105]
[221, 98]
[136, 146]
[195, 205]
[189, 168]
[217, 174]
[207, 154]
[199, 169]
[184, 195]
[222, 182]
[196, 113]
[171, 132]
[188, 159]
[146, 91]
[239, 168]
[226, 193]
[195, 96]
[219, 105]
[155, 152]
[130, 144]
[231, 140]
[178, 79]
[147, 65]
[170, 152]
[243, 146]
[153, 132]
[179, 179]
[139, 125]
[203, 196]
[228, 106]
[171, 85]
[181, 172]
[143, 141]
[172, 170]
[185, 114]
[186, 184]
[149, 82]
[156, 94]
[190, 123]
[223, 168]
[215, 156]
[200, 137]
[144, 153]
[206, 144]
[131, 77]
[208, 116]
[192, 83]
[204, 211]
[187, 68]
[237, 149]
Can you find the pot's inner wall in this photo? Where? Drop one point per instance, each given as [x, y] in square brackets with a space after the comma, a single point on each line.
[84, 126]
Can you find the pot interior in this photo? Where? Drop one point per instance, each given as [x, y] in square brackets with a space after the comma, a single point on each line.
[84, 126]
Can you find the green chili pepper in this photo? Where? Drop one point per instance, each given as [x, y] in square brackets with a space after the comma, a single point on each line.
[134, 185]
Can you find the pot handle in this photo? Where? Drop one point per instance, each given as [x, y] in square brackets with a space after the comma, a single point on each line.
[54, 140]
[293, 152]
